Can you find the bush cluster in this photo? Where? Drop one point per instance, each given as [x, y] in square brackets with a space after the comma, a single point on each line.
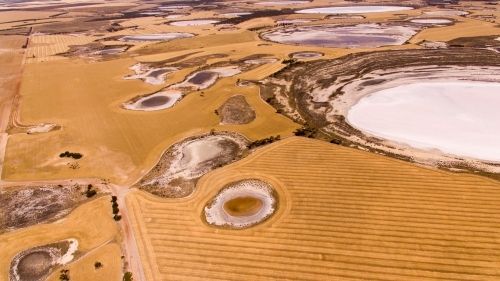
[90, 192]
[73, 155]
[116, 210]
[306, 131]
[265, 141]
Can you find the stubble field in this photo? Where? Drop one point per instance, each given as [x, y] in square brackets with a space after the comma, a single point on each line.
[341, 212]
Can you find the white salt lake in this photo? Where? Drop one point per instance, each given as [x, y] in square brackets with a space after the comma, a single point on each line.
[353, 9]
[459, 117]
[369, 35]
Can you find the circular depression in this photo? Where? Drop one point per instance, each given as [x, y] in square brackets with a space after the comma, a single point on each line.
[35, 265]
[241, 204]
[353, 9]
[456, 117]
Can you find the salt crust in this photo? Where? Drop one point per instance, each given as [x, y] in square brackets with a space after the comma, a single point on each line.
[189, 157]
[216, 215]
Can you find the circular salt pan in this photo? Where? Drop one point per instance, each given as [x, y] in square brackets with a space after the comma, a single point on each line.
[447, 13]
[193, 22]
[158, 101]
[306, 55]
[460, 118]
[353, 10]
[241, 204]
[282, 2]
[431, 21]
[156, 37]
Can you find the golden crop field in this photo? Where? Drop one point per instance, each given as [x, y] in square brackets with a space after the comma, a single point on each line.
[19, 16]
[343, 214]
[86, 223]
[44, 47]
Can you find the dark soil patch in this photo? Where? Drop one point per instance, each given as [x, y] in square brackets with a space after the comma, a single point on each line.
[202, 77]
[236, 111]
[475, 42]
[35, 264]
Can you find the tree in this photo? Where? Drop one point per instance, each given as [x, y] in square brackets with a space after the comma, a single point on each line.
[97, 265]
[64, 275]
[128, 276]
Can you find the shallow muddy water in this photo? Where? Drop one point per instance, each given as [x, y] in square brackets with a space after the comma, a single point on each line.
[353, 9]
[155, 101]
[456, 117]
[202, 77]
[343, 36]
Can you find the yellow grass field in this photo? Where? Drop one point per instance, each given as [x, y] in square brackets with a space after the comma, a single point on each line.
[108, 255]
[127, 143]
[343, 214]
[87, 224]
[20, 16]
